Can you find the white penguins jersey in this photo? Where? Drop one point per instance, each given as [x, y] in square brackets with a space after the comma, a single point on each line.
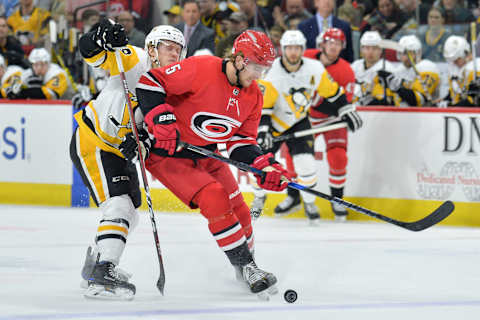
[108, 113]
[367, 84]
[287, 96]
[426, 85]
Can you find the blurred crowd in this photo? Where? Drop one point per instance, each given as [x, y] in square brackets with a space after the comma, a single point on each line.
[39, 55]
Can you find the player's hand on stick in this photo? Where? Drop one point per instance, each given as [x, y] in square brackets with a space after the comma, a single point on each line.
[275, 177]
[129, 146]
[13, 90]
[110, 35]
[265, 139]
[162, 124]
[390, 80]
[348, 114]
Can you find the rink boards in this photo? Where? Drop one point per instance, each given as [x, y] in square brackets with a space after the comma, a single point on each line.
[403, 163]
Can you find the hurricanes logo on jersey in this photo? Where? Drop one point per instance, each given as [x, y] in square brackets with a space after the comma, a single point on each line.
[298, 100]
[213, 127]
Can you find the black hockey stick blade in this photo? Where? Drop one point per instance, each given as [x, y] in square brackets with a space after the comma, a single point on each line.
[161, 279]
[432, 219]
[435, 217]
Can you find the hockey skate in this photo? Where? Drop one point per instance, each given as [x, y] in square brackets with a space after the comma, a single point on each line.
[105, 283]
[260, 282]
[311, 211]
[90, 261]
[257, 206]
[340, 212]
[288, 206]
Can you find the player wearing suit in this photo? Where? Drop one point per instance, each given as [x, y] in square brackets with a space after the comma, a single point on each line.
[221, 104]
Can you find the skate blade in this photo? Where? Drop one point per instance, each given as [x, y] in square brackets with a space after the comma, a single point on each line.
[99, 292]
[263, 295]
[313, 222]
[292, 210]
[340, 219]
[272, 290]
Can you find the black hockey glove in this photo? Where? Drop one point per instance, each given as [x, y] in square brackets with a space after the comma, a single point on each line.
[265, 139]
[13, 90]
[389, 80]
[129, 147]
[348, 114]
[34, 81]
[110, 35]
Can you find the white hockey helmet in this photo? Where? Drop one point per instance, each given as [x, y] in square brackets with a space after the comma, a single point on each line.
[455, 47]
[412, 44]
[166, 32]
[370, 38]
[2, 62]
[293, 38]
[39, 55]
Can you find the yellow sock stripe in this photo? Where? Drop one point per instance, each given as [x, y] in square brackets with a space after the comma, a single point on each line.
[112, 227]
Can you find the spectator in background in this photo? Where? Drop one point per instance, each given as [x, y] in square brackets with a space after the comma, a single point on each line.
[237, 23]
[7, 7]
[413, 7]
[293, 9]
[212, 15]
[387, 19]
[30, 23]
[44, 80]
[197, 36]
[323, 20]
[434, 36]
[276, 33]
[10, 47]
[10, 79]
[135, 37]
[174, 15]
[454, 13]
[258, 17]
[89, 18]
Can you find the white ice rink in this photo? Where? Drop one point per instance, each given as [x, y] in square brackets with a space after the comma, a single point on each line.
[351, 271]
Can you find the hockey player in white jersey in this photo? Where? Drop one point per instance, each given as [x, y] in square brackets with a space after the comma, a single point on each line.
[416, 81]
[44, 80]
[104, 132]
[463, 85]
[291, 87]
[10, 79]
[369, 87]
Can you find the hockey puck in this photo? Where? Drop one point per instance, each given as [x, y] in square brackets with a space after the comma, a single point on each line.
[290, 296]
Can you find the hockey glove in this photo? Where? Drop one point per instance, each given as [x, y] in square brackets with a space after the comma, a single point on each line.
[389, 80]
[81, 97]
[275, 177]
[33, 81]
[348, 114]
[163, 125]
[13, 91]
[110, 35]
[129, 146]
[264, 138]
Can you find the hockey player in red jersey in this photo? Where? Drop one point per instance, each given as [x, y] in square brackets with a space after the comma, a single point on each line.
[330, 43]
[205, 100]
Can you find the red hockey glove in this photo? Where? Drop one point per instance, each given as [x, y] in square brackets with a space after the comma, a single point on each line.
[275, 178]
[163, 125]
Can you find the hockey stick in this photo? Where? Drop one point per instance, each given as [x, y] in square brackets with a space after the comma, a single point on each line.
[425, 89]
[473, 39]
[435, 217]
[53, 39]
[161, 278]
[307, 132]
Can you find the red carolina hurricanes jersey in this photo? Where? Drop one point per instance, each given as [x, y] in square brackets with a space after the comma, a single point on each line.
[207, 107]
[340, 71]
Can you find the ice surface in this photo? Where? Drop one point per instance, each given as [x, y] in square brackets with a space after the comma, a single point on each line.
[349, 271]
